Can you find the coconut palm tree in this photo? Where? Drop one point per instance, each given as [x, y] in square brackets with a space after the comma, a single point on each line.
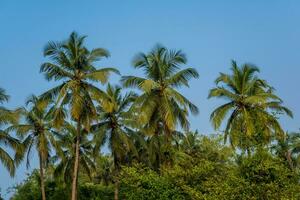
[161, 105]
[65, 157]
[6, 140]
[140, 152]
[104, 170]
[36, 131]
[73, 64]
[288, 148]
[114, 125]
[154, 151]
[251, 104]
[190, 143]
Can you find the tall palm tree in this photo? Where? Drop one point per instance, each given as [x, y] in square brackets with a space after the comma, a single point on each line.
[36, 131]
[114, 126]
[161, 105]
[6, 140]
[251, 104]
[73, 64]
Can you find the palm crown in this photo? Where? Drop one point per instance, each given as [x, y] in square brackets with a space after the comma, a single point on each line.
[73, 63]
[36, 128]
[6, 140]
[251, 103]
[160, 102]
[115, 122]
[64, 159]
[3, 96]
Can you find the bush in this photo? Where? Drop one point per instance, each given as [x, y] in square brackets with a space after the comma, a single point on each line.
[142, 183]
[95, 191]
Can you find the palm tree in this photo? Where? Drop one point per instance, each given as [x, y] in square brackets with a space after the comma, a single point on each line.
[154, 151]
[288, 149]
[36, 130]
[73, 64]
[104, 170]
[113, 126]
[65, 157]
[161, 105]
[252, 105]
[190, 143]
[6, 140]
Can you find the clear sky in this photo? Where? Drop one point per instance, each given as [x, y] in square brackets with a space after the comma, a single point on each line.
[211, 33]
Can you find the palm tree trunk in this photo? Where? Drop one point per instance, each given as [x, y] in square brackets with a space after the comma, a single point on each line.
[117, 170]
[116, 192]
[248, 152]
[158, 154]
[289, 159]
[117, 167]
[168, 138]
[76, 164]
[42, 177]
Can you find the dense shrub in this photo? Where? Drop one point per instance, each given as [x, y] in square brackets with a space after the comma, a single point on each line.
[139, 183]
[29, 190]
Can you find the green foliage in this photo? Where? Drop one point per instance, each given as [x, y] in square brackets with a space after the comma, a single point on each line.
[30, 190]
[268, 177]
[213, 174]
[90, 191]
[138, 183]
[212, 171]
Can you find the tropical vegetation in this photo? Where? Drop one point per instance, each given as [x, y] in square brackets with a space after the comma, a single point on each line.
[133, 140]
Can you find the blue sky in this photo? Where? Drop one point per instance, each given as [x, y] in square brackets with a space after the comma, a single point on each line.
[211, 33]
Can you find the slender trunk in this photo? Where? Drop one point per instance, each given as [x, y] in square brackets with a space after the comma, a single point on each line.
[248, 152]
[158, 153]
[76, 164]
[168, 140]
[116, 193]
[289, 159]
[117, 168]
[42, 177]
[167, 131]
